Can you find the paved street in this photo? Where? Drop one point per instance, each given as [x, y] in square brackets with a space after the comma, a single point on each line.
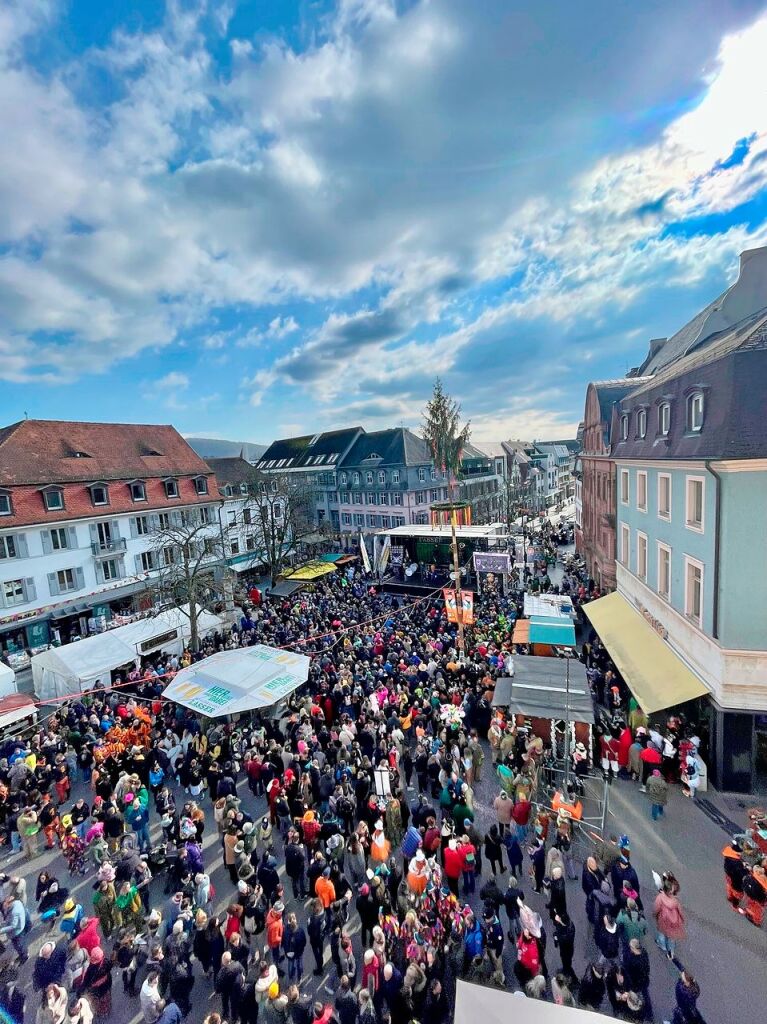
[723, 950]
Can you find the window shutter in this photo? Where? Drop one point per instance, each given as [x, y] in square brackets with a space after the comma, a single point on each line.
[53, 584]
[94, 533]
[133, 528]
[72, 537]
[79, 578]
[45, 536]
[138, 563]
[154, 522]
[30, 589]
[99, 577]
[176, 518]
[21, 546]
[114, 528]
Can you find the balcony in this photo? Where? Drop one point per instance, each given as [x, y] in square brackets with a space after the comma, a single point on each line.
[101, 549]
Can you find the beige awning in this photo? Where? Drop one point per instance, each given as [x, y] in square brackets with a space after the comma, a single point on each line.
[654, 673]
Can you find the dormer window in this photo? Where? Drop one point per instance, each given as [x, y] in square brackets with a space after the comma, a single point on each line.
[137, 490]
[641, 423]
[171, 488]
[369, 478]
[664, 418]
[228, 492]
[382, 476]
[695, 412]
[99, 494]
[355, 479]
[342, 479]
[6, 506]
[624, 427]
[53, 497]
[201, 484]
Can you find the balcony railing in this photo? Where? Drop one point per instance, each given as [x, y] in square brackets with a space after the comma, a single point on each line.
[107, 547]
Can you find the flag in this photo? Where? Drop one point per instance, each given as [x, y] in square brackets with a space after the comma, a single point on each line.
[450, 606]
[364, 554]
[383, 558]
[467, 607]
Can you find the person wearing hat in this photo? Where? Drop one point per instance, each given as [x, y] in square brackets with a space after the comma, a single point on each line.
[274, 933]
[97, 982]
[49, 966]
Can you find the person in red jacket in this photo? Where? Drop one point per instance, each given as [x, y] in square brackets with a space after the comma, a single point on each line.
[453, 865]
[528, 958]
[520, 815]
[651, 758]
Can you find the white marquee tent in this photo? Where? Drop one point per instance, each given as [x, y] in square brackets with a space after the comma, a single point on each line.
[245, 679]
[497, 1006]
[75, 667]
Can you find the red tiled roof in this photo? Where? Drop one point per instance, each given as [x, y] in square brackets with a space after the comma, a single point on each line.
[43, 452]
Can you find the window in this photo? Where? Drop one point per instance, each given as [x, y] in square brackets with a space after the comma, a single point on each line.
[641, 556]
[201, 485]
[206, 514]
[138, 491]
[59, 539]
[356, 498]
[277, 510]
[164, 521]
[66, 580]
[275, 486]
[169, 555]
[433, 473]
[347, 518]
[383, 498]
[171, 488]
[8, 548]
[624, 427]
[695, 412]
[382, 476]
[359, 519]
[624, 487]
[664, 496]
[664, 571]
[5, 505]
[385, 522]
[372, 498]
[641, 423]
[397, 498]
[355, 479]
[421, 475]
[14, 592]
[250, 543]
[435, 495]
[642, 490]
[664, 419]
[147, 561]
[694, 509]
[54, 500]
[111, 569]
[247, 516]
[228, 490]
[369, 478]
[342, 479]
[693, 590]
[142, 525]
[397, 521]
[625, 544]
[100, 494]
[395, 476]
[234, 546]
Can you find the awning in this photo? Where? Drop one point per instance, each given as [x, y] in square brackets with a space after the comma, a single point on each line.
[331, 557]
[555, 631]
[244, 679]
[497, 1006]
[551, 605]
[539, 689]
[521, 634]
[311, 571]
[656, 676]
[285, 588]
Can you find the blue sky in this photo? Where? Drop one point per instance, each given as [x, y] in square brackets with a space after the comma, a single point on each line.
[257, 218]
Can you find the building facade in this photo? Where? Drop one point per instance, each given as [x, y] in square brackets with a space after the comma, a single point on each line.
[595, 494]
[690, 452]
[81, 508]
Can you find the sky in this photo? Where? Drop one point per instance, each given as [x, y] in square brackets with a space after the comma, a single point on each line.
[257, 218]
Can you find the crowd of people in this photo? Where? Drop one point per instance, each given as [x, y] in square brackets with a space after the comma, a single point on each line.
[351, 826]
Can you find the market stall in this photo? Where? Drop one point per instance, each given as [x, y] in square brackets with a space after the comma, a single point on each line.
[76, 667]
[245, 679]
[497, 1006]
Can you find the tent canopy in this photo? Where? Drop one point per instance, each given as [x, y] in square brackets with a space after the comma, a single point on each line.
[547, 630]
[551, 605]
[241, 680]
[538, 689]
[656, 676]
[285, 588]
[75, 667]
[7, 680]
[311, 571]
[497, 1006]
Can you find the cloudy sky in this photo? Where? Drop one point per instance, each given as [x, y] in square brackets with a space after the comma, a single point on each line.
[257, 217]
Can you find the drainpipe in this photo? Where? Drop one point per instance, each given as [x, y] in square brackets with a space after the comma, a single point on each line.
[717, 544]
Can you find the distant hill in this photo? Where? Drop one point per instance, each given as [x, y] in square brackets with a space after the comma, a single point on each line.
[215, 448]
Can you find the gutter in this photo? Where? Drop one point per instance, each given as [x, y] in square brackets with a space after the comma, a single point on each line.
[717, 545]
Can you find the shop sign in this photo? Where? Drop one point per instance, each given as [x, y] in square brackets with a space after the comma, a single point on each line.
[38, 634]
[656, 624]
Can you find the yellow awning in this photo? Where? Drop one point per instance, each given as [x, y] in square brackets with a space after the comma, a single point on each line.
[656, 676]
[311, 571]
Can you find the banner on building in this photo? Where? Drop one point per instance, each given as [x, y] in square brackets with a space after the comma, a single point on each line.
[467, 606]
[397, 554]
[497, 563]
[364, 554]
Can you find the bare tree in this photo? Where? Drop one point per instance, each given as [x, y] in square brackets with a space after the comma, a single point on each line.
[278, 509]
[187, 550]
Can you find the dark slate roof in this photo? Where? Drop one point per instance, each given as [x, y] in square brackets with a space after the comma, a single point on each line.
[395, 446]
[678, 343]
[310, 449]
[611, 391]
[233, 471]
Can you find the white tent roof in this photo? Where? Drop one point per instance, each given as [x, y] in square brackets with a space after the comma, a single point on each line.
[497, 1006]
[241, 680]
[76, 667]
[7, 680]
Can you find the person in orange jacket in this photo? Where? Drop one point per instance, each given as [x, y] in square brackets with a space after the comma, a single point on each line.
[326, 894]
[274, 930]
[755, 893]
